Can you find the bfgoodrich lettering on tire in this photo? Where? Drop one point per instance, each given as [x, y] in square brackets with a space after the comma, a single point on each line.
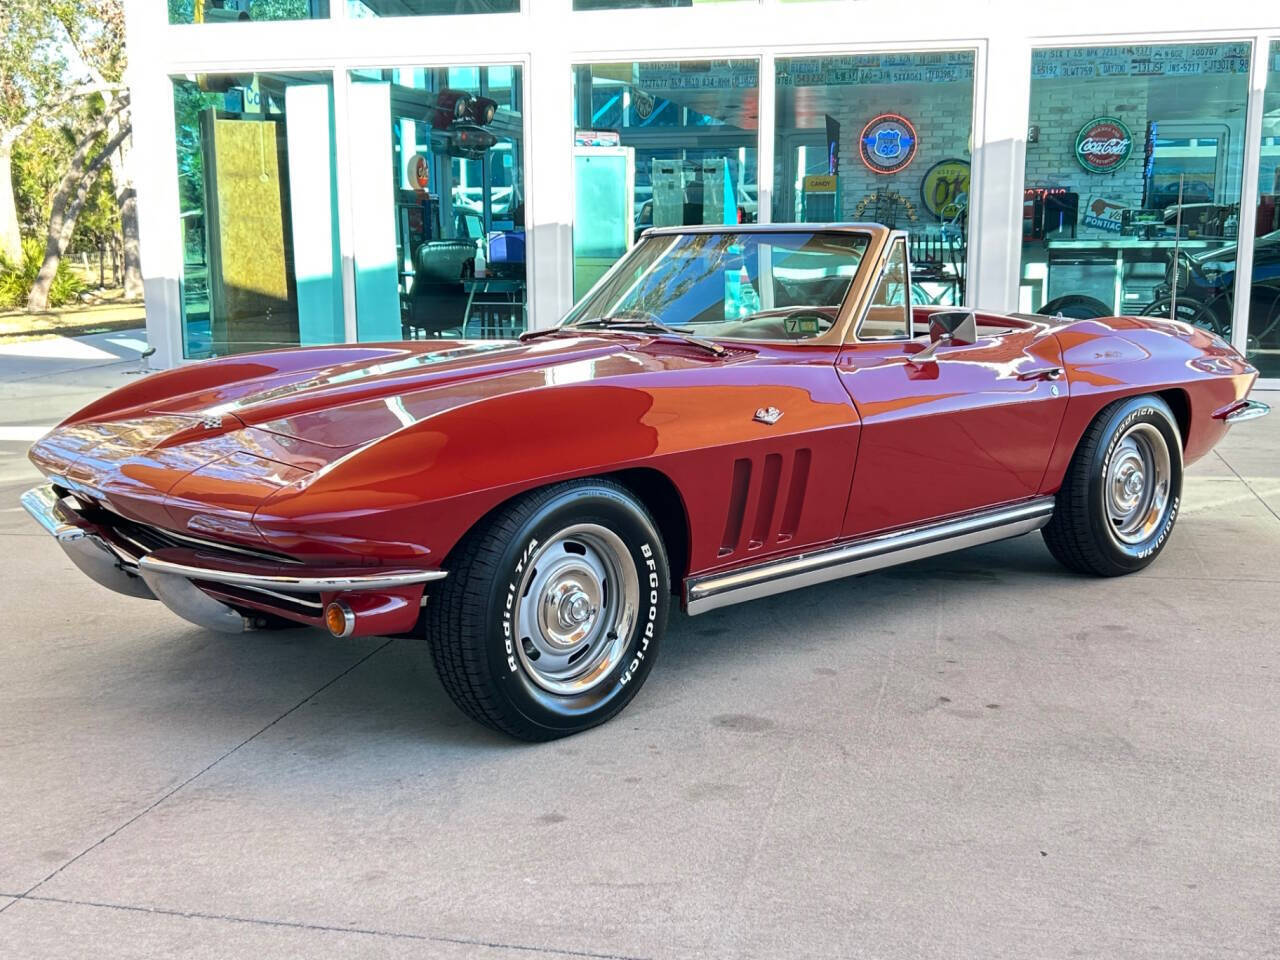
[1120, 496]
[553, 610]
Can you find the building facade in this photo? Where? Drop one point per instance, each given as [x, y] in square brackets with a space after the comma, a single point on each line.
[321, 171]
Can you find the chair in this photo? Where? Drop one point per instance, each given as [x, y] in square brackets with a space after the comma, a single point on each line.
[437, 300]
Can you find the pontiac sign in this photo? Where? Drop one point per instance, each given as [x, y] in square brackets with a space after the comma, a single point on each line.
[1103, 145]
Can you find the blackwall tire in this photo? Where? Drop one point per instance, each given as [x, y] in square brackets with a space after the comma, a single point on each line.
[1120, 496]
[1076, 306]
[553, 611]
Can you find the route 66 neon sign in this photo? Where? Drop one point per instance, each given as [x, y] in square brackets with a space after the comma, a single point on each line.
[888, 143]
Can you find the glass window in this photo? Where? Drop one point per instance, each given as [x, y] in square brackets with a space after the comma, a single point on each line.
[1263, 347]
[882, 137]
[887, 317]
[438, 178]
[1132, 190]
[660, 144]
[757, 286]
[629, 4]
[240, 11]
[260, 265]
[422, 8]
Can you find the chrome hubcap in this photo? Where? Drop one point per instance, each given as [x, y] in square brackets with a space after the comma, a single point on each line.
[576, 604]
[1137, 484]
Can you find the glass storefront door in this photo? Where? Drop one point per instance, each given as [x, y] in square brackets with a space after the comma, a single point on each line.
[257, 202]
[1132, 189]
[437, 156]
[884, 137]
[660, 144]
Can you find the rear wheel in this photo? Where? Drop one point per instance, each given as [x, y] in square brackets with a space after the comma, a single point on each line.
[1119, 499]
[1076, 306]
[551, 615]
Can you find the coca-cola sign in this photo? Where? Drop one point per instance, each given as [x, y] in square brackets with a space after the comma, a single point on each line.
[1103, 145]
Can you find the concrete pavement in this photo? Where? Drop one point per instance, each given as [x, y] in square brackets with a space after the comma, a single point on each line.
[977, 756]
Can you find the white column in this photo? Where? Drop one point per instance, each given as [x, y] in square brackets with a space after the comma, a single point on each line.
[766, 131]
[1249, 191]
[155, 177]
[548, 133]
[345, 175]
[1002, 101]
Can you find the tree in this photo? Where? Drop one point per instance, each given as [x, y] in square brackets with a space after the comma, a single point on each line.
[82, 170]
[31, 70]
[95, 30]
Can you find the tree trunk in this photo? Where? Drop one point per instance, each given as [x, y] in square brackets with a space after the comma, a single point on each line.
[10, 236]
[71, 195]
[127, 204]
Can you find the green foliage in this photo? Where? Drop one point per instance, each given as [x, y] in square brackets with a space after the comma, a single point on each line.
[15, 281]
[99, 218]
[188, 103]
[32, 61]
[40, 158]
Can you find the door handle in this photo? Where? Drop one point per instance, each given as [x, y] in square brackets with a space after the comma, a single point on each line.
[1041, 373]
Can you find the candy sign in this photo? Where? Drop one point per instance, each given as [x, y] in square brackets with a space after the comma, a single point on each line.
[1103, 145]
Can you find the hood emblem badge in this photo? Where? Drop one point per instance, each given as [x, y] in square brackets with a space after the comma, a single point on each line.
[211, 422]
[768, 415]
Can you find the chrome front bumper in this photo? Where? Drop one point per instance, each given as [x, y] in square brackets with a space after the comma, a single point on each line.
[170, 575]
[1247, 410]
[89, 551]
[1240, 411]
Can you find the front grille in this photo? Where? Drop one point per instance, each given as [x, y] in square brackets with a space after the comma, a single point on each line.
[146, 538]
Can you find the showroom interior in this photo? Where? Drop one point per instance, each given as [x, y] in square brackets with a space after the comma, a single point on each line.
[367, 170]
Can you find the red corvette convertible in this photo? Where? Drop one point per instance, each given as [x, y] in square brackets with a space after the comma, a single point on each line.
[729, 413]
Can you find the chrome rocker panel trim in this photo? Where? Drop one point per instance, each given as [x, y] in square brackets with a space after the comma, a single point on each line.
[863, 556]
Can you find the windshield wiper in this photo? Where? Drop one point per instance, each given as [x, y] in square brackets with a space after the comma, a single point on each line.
[651, 324]
[544, 332]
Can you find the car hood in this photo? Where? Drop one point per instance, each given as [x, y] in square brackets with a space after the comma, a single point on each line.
[206, 451]
[354, 401]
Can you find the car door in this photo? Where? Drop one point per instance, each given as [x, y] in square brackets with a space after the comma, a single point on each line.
[972, 427]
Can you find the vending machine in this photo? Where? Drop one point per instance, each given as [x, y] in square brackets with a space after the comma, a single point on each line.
[603, 221]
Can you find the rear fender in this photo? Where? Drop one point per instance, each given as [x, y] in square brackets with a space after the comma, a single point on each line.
[1116, 357]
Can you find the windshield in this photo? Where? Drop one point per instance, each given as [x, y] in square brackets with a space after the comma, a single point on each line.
[756, 286]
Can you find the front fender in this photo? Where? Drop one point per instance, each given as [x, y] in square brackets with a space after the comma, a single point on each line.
[417, 491]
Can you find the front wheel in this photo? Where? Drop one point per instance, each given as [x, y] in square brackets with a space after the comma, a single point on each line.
[553, 610]
[1120, 495]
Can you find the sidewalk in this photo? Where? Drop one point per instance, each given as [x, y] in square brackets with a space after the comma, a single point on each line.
[42, 380]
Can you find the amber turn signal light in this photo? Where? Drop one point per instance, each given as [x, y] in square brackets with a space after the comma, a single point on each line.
[339, 619]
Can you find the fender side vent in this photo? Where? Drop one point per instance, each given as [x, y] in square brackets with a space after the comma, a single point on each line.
[795, 494]
[738, 490]
[768, 501]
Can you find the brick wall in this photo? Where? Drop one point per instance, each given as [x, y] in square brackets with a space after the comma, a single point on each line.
[1060, 108]
[942, 114]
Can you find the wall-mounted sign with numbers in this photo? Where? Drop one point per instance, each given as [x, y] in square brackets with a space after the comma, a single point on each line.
[1103, 145]
[944, 186]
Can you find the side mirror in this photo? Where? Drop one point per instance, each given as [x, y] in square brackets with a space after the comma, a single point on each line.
[952, 328]
[959, 328]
